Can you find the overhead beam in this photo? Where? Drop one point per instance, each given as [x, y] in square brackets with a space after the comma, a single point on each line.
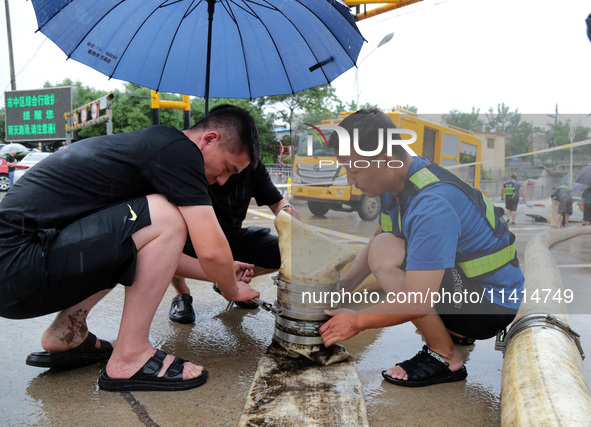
[388, 6]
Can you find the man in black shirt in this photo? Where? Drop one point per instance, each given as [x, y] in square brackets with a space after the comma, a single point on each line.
[121, 214]
[254, 245]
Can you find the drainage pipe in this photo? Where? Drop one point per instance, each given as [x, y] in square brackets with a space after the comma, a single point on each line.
[542, 380]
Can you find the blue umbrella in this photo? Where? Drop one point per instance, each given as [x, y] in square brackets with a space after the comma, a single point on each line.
[217, 48]
[584, 176]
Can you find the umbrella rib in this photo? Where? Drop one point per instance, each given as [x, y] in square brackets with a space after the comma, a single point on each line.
[163, 4]
[92, 28]
[334, 35]
[305, 41]
[233, 16]
[253, 13]
[188, 11]
[52, 16]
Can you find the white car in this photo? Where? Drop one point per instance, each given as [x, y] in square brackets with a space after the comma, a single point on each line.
[27, 162]
[541, 210]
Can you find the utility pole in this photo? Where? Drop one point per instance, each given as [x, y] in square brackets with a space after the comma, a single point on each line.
[10, 55]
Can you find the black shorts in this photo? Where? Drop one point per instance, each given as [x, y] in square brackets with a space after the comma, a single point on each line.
[60, 268]
[254, 245]
[511, 203]
[480, 320]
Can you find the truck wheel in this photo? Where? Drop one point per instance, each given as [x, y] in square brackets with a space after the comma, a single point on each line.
[318, 208]
[369, 208]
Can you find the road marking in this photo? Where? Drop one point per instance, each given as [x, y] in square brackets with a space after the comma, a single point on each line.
[574, 266]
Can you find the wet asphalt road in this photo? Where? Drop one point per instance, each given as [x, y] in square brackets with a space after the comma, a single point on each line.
[230, 344]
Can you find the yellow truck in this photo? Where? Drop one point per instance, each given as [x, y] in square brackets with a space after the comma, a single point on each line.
[325, 187]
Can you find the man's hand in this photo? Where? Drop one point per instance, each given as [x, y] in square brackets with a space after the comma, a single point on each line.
[245, 292]
[244, 271]
[342, 326]
[291, 210]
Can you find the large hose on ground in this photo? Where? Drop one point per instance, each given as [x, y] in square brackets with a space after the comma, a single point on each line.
[543, 382]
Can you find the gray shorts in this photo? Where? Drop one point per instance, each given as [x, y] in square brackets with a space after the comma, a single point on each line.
[60, 268]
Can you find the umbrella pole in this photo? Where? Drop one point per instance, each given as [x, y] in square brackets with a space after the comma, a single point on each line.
[210, 10]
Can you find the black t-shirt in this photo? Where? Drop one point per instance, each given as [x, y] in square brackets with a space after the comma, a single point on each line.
[9, 159]
[230, 201]
[99, 172]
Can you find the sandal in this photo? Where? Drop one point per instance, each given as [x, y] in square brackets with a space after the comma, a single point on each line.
[427, 368]
[147, 379]
[181, 309]
[85, 354]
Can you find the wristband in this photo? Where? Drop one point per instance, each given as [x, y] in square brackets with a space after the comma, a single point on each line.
[288, 206]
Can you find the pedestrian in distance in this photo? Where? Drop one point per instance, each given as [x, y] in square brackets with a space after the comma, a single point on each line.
[438, 238]
[510, 193]
[122, 214]
[11, 162]
[563, 195]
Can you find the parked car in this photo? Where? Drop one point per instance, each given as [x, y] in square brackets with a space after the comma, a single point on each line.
[541, 210]
[27, 162]
[3, 175]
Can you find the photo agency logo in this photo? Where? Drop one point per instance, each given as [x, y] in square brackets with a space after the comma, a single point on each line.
[388, 137]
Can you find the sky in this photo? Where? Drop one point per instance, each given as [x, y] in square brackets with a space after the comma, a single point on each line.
[445, 55]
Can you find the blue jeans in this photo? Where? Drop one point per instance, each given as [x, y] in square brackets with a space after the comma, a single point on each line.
[10, 178]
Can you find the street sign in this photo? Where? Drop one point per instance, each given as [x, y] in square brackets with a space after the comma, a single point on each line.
[37, 115]
[94, 110]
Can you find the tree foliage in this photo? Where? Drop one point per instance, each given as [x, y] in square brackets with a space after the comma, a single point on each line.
[319, 101]
[558, 134]
[503, 121]
[469, 121]
[520, 140]
[410, 108]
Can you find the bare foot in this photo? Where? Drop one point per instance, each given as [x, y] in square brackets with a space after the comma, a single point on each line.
[454, 363]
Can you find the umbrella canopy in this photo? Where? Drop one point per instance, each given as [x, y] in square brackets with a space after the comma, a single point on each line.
[13, 148]
[251, 48]
[584, 176]
[579, 188]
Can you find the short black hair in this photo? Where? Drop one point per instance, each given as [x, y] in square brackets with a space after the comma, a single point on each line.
[367, 122]
[513, 176]
[235, 120]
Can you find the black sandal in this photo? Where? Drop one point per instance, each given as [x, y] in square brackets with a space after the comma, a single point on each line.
[427, 368]
[85, 354]
[147, 379]
[181, 309]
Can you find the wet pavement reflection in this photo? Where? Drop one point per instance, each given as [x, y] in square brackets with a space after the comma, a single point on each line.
[230, 344]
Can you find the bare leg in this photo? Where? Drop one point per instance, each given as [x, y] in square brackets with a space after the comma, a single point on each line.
[159, 249]
[385, 258]
[180, 286]
[69, 329]
[437, 339]
[566, 217]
